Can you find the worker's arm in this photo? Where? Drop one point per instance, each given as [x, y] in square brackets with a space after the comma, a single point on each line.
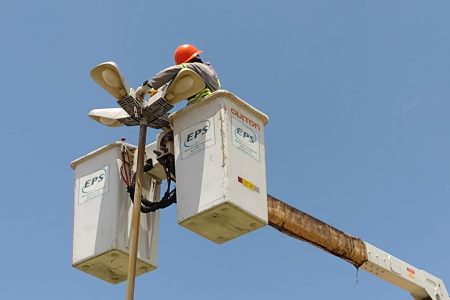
[161, 78]
[164, 76]
[205, 71]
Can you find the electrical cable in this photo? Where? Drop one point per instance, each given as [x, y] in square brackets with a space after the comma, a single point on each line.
[125, 167]
[147, 206]
[129, 178]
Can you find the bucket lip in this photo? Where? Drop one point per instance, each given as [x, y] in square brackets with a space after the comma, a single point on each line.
[99, 150]
[221, 93]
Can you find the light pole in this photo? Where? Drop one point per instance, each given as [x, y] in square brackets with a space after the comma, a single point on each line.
[135, 218]
[152, 113]
[131, 113]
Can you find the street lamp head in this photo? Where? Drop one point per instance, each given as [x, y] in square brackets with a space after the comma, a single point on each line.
[109, 116]
[184, 85]
[109, 77]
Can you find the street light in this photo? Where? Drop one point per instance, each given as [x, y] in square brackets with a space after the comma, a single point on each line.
[109, 77]
[154, 111]
[132, 112]
[112, 117]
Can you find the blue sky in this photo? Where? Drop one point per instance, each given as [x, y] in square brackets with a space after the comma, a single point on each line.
[358, 95]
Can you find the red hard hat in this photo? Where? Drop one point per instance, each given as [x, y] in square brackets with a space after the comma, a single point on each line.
[185, 53]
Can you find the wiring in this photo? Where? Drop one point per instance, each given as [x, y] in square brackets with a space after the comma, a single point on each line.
[147, 206]
[126, 164]
[129, 179]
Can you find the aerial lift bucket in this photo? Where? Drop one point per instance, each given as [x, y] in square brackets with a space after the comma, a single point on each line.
[220, 167]
[102, 217]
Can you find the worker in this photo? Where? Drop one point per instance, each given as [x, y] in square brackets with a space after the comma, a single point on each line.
[186, 56]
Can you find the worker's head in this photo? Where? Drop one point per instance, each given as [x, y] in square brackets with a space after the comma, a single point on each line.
[186, 53]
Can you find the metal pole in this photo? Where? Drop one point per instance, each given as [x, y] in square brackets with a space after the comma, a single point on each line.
[135, 219]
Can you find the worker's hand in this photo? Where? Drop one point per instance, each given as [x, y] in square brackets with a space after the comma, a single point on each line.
[142, 91]
[152, 92]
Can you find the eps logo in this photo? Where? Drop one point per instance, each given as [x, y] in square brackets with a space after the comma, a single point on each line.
[196, 134]
[94, 181]
[245, 135]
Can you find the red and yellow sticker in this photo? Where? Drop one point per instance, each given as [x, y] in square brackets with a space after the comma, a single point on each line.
[248, 184]
[411, 273]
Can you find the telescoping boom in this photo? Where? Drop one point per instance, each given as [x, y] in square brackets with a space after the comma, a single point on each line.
[420, 284]
[300, 225]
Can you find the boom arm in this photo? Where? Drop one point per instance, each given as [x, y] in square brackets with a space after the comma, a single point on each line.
[295, 223]
[420, 284]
